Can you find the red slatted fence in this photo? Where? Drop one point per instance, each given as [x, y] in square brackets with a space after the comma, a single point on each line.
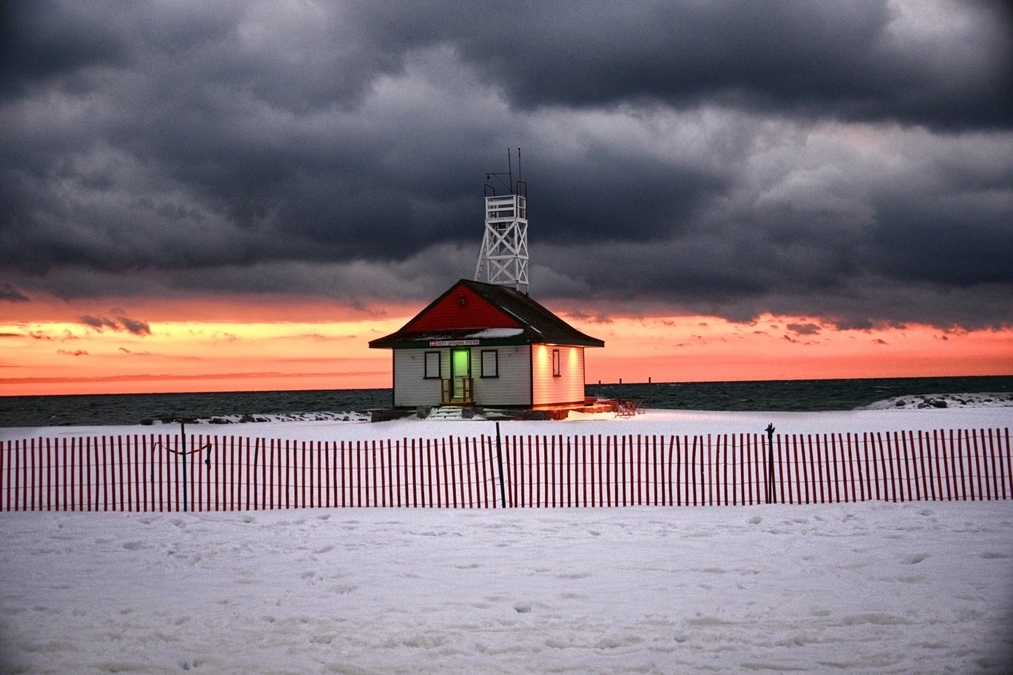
[215, 473]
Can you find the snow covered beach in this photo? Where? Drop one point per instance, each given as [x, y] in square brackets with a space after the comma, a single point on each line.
[869, 587]
[866, 588]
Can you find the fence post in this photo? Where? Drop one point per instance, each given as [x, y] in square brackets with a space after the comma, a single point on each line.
[499, 461]
[182, 436]
[770, 462]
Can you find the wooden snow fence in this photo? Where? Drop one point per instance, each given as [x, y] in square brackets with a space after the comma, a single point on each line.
[194, 472]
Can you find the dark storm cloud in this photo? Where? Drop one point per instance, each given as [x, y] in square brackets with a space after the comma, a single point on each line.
[119, 322]
[849, 161]
[10, 294]
[42, 42]
[845, 60]
[804, 328]
[134, 326]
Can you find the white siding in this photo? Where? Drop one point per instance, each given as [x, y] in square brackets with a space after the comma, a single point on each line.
[511, 388]
[410, 386]
[569, 386]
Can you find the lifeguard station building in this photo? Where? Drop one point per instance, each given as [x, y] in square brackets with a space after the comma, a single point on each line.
[487, 345]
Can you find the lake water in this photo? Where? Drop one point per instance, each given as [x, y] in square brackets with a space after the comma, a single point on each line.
[778, 395]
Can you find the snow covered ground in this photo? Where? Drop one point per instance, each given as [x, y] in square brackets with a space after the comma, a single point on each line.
[923, 587]
[866, 588]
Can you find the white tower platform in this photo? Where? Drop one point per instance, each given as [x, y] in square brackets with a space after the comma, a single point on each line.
[504, 256]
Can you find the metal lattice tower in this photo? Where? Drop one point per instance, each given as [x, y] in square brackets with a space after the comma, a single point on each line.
[504, 256]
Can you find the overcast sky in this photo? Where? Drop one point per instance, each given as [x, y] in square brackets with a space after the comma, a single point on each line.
[846, 161]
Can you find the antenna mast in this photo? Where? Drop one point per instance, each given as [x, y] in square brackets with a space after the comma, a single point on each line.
[504, 256]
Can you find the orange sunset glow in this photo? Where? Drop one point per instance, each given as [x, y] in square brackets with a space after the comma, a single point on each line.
[290, 346]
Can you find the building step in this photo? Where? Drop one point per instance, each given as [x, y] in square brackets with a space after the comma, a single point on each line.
[449, 412]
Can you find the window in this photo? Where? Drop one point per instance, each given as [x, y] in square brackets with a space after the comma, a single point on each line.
[432, 366]
[555, 363]
[490, 363]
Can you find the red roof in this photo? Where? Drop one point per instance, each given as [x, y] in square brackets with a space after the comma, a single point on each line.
[489, 313]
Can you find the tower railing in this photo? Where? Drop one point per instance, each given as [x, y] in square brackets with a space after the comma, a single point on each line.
[504, 256]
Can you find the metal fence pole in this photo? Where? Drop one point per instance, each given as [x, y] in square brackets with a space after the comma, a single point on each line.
[499, 461]
[770, 462]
